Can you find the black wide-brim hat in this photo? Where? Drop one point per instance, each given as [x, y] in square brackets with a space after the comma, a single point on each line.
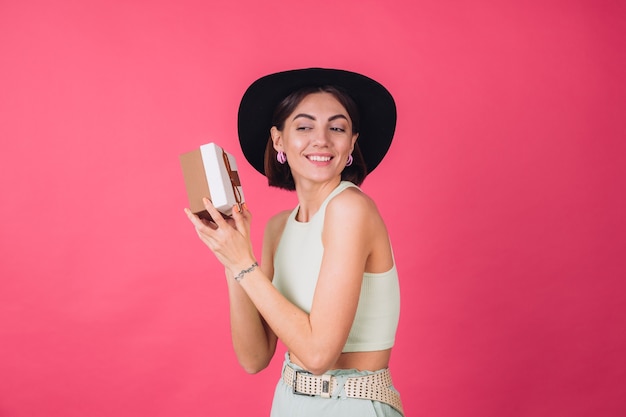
[377, 110]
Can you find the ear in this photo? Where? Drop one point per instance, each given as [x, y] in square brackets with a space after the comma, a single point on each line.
[354, 138]
[277, 139]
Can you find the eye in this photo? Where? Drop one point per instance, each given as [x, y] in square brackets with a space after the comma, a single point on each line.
[303, 128]
[338, 129]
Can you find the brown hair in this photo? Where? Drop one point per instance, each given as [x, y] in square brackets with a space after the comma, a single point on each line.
[279, 175]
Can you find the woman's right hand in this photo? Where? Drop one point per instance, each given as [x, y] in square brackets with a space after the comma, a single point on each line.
[228, 239]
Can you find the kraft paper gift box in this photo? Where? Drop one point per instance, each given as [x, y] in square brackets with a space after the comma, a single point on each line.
[211, 172]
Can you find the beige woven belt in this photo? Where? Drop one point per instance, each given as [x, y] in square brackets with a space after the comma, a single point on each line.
[369, 387]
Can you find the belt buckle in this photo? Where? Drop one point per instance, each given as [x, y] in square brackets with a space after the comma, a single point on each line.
[295, 383]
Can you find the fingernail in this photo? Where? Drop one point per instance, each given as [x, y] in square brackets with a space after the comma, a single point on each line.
[236, 208]
[245, 206]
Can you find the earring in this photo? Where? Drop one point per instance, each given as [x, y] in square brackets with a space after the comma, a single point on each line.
[350, 160]
[281, 157]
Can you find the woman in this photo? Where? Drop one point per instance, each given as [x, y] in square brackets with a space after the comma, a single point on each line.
[327, 284]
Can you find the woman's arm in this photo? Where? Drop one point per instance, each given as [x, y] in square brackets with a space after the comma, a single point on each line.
[253, 341]
[352, 225]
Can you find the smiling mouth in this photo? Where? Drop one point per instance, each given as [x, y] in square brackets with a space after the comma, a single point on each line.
[318, 158]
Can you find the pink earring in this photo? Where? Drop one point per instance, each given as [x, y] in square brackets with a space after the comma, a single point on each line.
[350, 160]
[281, 157]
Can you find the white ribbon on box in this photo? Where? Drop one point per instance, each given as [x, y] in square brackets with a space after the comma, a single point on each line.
[211, 172]
[222, 177]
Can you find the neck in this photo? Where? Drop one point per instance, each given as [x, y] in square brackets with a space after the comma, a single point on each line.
[311, 196]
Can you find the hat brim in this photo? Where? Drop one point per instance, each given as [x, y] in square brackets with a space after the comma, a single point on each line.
[377, 110]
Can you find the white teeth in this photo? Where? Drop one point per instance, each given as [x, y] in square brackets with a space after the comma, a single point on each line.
[319, 158]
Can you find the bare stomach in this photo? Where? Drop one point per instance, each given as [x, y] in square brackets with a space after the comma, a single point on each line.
[361, 361]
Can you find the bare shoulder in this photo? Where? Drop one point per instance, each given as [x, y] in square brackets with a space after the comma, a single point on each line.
[352, 210]
[352, 203]
[353, 221]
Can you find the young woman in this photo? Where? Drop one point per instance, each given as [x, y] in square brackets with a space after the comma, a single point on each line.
[326, 285]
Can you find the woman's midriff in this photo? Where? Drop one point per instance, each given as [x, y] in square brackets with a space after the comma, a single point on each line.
[361, 361]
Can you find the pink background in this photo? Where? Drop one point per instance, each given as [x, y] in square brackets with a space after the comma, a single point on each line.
[503, 194]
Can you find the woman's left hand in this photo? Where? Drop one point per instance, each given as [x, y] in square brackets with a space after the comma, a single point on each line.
[228, 239]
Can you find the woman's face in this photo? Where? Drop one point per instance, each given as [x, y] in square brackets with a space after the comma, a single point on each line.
[317, 138]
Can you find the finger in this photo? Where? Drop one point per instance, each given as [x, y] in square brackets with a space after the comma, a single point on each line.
[240, 222]
[246, 212]
[195, 220]
[217, 217]
[246, 215]
[202, 226]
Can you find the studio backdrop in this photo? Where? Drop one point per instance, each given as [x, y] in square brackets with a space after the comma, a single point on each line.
[503, 193]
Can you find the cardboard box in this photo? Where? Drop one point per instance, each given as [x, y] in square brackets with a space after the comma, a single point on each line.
[211, 172]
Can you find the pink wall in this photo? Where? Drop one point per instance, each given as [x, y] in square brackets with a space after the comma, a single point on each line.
[503, 193]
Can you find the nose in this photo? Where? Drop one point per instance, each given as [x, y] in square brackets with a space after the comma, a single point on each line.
[321, 137]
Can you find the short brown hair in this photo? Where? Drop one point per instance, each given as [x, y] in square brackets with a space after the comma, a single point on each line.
[279, 175]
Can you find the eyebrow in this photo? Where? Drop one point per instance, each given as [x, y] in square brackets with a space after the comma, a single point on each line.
[330, 119]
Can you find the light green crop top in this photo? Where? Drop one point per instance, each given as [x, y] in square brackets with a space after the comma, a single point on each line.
[297, 265]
